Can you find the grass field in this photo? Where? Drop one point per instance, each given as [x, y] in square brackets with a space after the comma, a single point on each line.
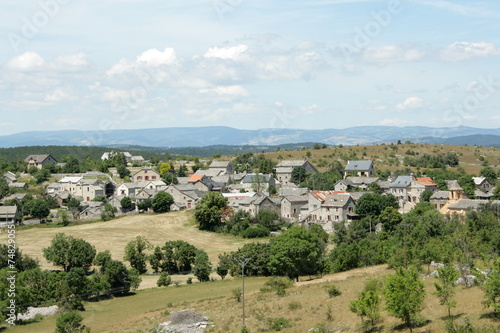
[305, 305]
[114, 235]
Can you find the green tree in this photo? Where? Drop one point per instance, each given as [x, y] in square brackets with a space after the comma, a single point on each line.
[108, 213]
[224, 264]
[445, 290]
[368, 303]
[156, 258]
[134, 253]
[296, 252]
[404, 294]
[489, 173]
[126, 203]
[144, 205]
[102, 258]
[390, 219]
[426, 195]
[161, 202]
[74, 206]
[372, 204]
[69, 322]
[208, 212]
[123, 171]
[69, 252]
[202, 266]
[4, 188]
[491, 288]
[299, 174]
[40, 209]
[178, 256]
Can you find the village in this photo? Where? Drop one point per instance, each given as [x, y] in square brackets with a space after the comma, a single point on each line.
[245, 191]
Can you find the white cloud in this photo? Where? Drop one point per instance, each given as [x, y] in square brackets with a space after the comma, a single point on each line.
[234, 90]
[154, 57]
[29, 61]
[460, 51]
[380, 108]
[411, 103]
[58, 95]
[391, 53]
[72, 62]
[233, 52]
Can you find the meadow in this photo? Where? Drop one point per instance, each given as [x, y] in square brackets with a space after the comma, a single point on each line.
[306, 305]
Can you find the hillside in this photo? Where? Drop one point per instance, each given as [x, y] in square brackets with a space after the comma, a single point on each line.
[306, 305]
[220, 135]
[390, 157]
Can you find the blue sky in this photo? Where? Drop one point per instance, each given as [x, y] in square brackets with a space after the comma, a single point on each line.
[67, 64]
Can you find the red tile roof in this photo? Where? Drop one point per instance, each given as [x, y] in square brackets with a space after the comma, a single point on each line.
[195, 178]
[426, 181]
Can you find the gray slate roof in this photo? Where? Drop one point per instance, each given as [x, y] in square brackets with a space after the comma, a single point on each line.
[440, 195]
[362, 165]
[251, 176]
[401, 182]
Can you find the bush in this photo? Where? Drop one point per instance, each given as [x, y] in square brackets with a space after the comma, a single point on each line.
[278, 284]
[237, 294]
[189, 280]
[294, 305]
[277, 324]
[164, 280]
[69, 322]
[333, 291]
[255, 232]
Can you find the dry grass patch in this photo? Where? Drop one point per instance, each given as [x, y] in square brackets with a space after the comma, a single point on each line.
[115, 234]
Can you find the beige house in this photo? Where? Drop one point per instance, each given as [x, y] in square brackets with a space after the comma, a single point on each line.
[89, 189]
[334, 209]
[145, 174]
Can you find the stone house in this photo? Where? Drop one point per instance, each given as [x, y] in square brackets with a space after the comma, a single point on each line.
[39, 160]
[284, 170]
[145, 174]
[222, 167]
[9, 214]
[293, 207]
[186, 196]
[363, 168]
[258, 182]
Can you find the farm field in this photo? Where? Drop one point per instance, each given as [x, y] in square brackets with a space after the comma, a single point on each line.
[115, 234]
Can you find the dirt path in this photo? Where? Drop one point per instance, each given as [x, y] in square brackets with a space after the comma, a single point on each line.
[371, 270]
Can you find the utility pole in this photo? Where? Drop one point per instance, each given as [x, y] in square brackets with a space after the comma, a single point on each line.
[243, 261]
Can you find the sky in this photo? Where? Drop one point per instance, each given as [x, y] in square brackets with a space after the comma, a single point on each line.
[131, 64]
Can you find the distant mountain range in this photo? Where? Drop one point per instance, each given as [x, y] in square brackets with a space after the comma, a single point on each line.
[219, 135]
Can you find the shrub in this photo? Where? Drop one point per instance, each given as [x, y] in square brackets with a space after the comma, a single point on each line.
[277, 324]
[189, 280]
[333, 291]
[164, 280]
[278, 284]
[237, 294]
[294, 305]
[255, 232]
[69, 322]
